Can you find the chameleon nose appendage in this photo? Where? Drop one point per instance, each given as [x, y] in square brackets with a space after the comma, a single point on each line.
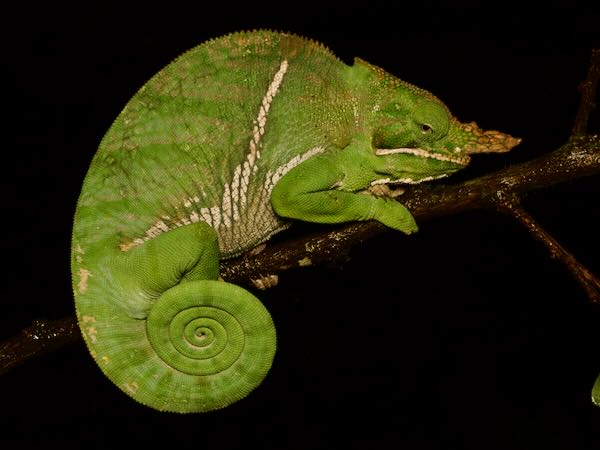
[487, 141]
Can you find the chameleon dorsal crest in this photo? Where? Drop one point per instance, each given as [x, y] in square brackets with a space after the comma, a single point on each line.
[220, 150]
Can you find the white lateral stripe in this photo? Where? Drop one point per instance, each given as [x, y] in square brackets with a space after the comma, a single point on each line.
[260, 122]
[273, 177]
[463, 160]
[235, 194]
[407, 180]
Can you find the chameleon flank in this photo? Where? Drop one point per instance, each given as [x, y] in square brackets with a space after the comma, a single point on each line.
[209, 159]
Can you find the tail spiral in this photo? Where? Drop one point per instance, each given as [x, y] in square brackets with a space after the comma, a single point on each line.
[217, 341]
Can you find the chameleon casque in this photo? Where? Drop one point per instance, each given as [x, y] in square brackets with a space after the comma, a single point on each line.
[210, 158]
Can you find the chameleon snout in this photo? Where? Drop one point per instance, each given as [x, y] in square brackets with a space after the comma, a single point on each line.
[487, 141]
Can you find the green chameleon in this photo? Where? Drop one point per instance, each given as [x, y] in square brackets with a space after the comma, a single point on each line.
[209, 159]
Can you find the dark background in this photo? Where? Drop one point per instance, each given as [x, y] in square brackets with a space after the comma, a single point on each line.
[466, 335]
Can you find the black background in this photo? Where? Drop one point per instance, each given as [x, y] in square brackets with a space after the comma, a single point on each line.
[466, 335]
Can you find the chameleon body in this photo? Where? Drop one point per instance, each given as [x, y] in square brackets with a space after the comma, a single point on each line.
[213, 155]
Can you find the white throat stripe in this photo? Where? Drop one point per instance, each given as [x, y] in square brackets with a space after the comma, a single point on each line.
[462, 160]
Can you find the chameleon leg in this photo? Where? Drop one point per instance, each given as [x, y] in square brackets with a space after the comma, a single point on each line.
[185, 341]
[321, 190]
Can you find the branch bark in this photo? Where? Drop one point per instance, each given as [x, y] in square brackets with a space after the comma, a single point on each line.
[580, 157]
[42, 336]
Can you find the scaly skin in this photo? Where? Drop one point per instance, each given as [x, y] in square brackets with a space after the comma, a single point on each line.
[207, 161]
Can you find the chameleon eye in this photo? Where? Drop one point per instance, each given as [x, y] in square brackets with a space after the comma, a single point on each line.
[431, 120]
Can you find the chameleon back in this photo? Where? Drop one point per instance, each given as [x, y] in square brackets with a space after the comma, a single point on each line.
[207, 138]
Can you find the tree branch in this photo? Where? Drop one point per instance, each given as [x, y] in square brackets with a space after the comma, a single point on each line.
[511, 204]
[42, 336]
[580, 157]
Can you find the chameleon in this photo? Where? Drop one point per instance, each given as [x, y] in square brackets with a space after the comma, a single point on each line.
[221, 149]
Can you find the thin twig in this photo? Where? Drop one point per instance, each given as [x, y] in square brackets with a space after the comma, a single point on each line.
[511, 205]
[588, 89]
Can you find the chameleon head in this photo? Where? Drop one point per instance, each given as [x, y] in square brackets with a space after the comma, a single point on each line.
[418, 139]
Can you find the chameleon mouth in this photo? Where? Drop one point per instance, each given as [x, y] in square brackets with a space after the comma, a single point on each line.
[460, 160]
